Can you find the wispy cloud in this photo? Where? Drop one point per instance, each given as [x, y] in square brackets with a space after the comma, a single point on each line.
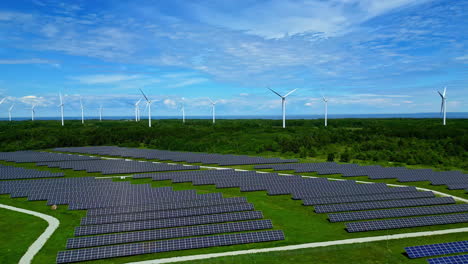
[104, 79]
[27, 61]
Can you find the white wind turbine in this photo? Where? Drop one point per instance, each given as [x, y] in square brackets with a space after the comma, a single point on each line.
[100, 113]
[183, 111]
[82, 111]
[9, 111]
[325, 100]
[137, 110]
[61, 108]
[148, 104]
[33, 112]
[283, 103]
[213, 109]
[443, 105]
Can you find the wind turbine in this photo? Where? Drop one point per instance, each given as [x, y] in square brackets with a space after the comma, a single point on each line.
[137, 110]
[2, 101]
[443, 105]
[325, 100]
[82, 111]
[61, 108]
[213, 104]
[33, 112]
[183, 111]
[100, 113]
[9, 111]
[283, 103]
[148, 104]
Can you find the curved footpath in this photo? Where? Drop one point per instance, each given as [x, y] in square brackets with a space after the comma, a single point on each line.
[39, 243]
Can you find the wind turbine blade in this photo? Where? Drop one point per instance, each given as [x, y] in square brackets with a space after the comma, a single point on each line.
[442, 106]
[275, 92]
[445, 90]
[210, 100]
[290, 92]
[138, 103]
[144, 95]
[440, 94]
[3, 100]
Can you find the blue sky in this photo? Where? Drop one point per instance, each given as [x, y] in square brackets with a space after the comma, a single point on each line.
[367, 56]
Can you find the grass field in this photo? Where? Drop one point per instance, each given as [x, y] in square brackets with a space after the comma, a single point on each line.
[299, 223]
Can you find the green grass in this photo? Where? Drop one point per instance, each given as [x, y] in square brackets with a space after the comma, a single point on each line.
[17, 232]
[299, 223]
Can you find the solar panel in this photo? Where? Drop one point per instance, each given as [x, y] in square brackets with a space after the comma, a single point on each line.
[165, 223]
[168, 245]
[363, 198]
[164, 206]
[437, 249]
[106, 219]
[449, 260]
[406, 222]
[398, 212]
[139, 236]
[329, 208]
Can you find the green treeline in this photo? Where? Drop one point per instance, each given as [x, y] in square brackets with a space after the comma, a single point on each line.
[409, 141]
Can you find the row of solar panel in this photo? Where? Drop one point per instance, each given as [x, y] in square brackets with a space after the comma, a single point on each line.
[37, 156]
[14, 173]
[116, 166]
[164, 155]
[449, 178]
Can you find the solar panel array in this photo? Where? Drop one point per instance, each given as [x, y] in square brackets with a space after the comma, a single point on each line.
[13, 173]
[168, 245]
[457, 179]
[129, 219]
[460, 259]
[177, 156]
[116, 166]
[398, 212]
[356, 201]
[437, 249]
[406, 222]
[36, 156]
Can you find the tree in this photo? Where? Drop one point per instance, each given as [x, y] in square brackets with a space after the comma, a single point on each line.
[331, 156]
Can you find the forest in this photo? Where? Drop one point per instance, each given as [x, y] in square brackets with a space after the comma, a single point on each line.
[401, 141]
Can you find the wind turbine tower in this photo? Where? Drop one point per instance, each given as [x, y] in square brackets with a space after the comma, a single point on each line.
[325, 100]
[137, 110]
[148, 104]
[33, 112]
[82, 111]
[61, 108]
[283, 103]
[183, 111]
[100, 113]
[9, 111]
[443, 105]
[213, 109]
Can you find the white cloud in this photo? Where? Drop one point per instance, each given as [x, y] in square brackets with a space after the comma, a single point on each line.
[188, 82]
[34, 100]
[170, 103]
[27, 61]
[462, 58]
[104, 79]
[280, 18]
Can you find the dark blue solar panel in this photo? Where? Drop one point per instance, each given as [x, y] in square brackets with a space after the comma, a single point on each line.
[437, 249]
